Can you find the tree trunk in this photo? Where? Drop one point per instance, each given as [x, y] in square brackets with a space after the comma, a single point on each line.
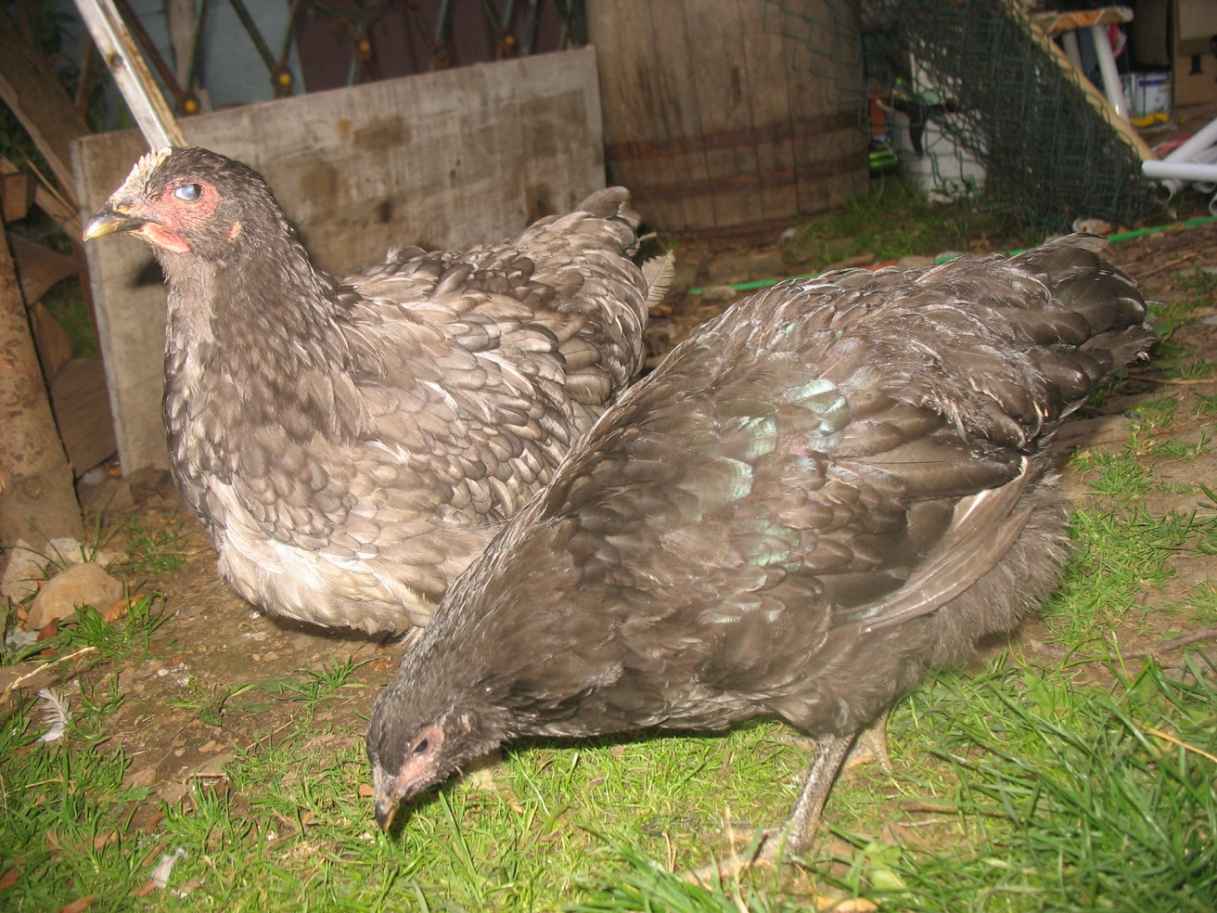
[37, 497]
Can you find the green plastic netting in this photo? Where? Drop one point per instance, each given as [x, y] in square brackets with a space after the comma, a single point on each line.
[994, 113]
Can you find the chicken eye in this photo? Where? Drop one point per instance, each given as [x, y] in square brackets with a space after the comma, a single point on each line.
[188, 192]
[421, 747]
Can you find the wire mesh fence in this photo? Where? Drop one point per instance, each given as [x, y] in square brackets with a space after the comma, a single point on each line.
[981, 106]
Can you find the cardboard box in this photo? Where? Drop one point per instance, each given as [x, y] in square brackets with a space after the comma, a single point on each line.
[1195, 68]
[1196, 27]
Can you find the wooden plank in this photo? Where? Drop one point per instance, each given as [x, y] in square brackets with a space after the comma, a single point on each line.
[770, 106]
[723, 94]
[29, 86]
[39, 269]
[126, 64]
[17, 193]
[821, 53]
[1053, 23]
[68, 218]
[674, 33]
[447, 159]
[623, 35]
[1096, 98]
[78, 397]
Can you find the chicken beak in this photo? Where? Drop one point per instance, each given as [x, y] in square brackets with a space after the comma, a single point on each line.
[110, 219]
[386, 810]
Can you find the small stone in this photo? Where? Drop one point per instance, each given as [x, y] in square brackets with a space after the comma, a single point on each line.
[23, 572]
[82, 584]
[66, 550]
[1092, 226]
[94, 476]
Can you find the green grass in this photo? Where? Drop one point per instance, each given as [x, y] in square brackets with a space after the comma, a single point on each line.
[1200, 291]
[152, 552]
[894, 220]
[1116, 557]
[1117, 474]
[1077, 799]
[130, 635]
[316, 686]
[1205, 404]
[207, 704]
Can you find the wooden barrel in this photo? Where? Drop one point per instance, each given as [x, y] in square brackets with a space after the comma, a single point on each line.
[729, 117]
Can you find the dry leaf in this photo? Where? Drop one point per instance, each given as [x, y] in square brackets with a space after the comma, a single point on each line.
[366, 791]
[145, 889]
[851, 905]
[52, 842]
[103, 840]
[117, 610]
[78, 906]
[47, 631]
[9, 878]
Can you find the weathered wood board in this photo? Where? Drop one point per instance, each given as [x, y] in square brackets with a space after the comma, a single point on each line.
[730, 117]
[443, 159]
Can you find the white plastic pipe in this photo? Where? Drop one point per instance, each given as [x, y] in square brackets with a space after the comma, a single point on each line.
[1198, 148]
[1202, 139]
[1107, 66]
[1069, 41]
[1180, 171]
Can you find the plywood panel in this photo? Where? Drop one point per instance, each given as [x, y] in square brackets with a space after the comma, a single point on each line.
[443, 159]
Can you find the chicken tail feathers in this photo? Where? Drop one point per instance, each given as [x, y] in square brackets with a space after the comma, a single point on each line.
[611, 203]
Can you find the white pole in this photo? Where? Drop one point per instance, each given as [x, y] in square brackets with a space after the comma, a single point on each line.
[1107, 66]
[1203, 138]
[1181, 171]
[1069, 41]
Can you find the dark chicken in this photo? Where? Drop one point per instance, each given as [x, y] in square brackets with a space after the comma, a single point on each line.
[351, 444]
[830, 488]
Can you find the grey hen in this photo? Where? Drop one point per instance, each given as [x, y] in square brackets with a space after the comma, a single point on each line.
[830, 488]
[352, 444]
